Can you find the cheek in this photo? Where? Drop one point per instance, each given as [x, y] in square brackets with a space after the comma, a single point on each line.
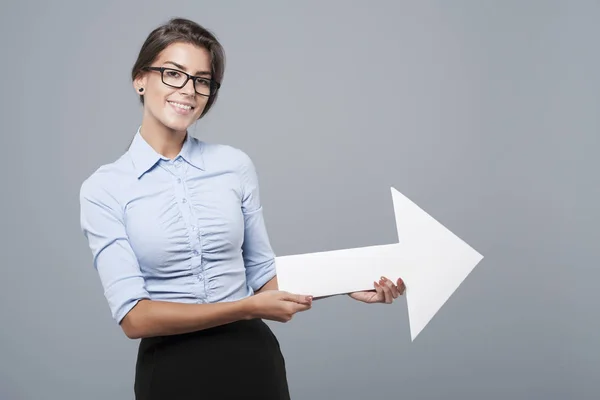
[159, 95]
[201, 102]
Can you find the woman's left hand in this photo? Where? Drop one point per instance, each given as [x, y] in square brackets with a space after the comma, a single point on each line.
[385, 292]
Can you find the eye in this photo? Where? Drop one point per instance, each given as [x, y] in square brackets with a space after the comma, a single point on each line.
[172, 74]
[203, 82]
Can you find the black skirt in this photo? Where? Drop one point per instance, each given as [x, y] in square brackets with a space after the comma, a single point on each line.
[241, 360]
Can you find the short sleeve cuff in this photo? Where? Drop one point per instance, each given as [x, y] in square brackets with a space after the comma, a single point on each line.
[124, 295]
[260, 275]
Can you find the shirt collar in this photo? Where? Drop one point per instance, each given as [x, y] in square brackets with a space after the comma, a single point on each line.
[145, 157]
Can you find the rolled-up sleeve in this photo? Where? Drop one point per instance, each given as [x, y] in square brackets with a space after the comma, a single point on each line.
[258, 254]
[113, 258]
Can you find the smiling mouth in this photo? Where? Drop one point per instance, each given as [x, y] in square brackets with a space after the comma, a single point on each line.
[185, 107]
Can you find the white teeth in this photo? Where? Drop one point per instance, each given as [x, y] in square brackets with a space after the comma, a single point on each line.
[182, 106]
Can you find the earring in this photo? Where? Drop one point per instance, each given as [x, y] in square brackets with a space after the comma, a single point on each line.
[141, 90]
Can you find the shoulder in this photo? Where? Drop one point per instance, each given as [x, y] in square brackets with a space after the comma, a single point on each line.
[103, 184]
[226, 156]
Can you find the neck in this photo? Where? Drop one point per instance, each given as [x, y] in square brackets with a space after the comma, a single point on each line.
[162, 139]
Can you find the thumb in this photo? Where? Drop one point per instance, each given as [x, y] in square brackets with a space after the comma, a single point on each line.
[297, 298]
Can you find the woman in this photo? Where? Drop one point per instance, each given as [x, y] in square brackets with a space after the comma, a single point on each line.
[176, 230]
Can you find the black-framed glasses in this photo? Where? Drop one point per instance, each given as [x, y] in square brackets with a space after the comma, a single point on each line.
[178, 79]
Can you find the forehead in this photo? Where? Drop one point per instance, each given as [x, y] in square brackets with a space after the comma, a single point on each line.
[195, 59]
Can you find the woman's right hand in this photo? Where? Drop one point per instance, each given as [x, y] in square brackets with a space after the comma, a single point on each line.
[277, 305]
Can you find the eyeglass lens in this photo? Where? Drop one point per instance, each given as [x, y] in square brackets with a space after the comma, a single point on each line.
[175, 78]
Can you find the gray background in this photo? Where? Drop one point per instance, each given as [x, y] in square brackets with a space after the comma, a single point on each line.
[483, 113]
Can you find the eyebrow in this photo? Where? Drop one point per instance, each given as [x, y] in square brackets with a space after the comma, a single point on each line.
[181, 67]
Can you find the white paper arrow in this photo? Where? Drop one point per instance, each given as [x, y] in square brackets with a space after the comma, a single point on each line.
[431, 260]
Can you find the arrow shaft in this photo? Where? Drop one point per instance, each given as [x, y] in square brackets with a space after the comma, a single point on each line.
[339, 271]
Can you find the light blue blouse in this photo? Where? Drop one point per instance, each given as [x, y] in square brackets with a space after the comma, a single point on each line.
[186, 230]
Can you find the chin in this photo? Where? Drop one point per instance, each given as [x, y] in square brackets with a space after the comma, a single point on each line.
[178, 122]
[178, 126]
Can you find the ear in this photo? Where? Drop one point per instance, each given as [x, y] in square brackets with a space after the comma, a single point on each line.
[140, 82]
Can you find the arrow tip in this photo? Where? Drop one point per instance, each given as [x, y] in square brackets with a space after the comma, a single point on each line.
[437, 273]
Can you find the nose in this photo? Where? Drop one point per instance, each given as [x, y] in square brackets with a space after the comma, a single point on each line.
[188, 88]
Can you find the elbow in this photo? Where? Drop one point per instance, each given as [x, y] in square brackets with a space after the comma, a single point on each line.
[130, 328]
[131, 332]
[133, 324]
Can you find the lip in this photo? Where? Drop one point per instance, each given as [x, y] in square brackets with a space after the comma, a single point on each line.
[185, 103]
[179, 110]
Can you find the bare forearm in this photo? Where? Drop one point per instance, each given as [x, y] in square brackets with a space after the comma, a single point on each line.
[270, 285]
[153, 318]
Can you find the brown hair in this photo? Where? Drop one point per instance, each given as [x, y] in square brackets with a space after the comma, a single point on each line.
[186, 31]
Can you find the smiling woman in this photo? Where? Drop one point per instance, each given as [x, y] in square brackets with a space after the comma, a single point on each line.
[172, 52]
[178, 238]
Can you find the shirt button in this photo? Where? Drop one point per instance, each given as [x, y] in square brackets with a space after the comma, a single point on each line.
[195, 252]
[184, 200]
[178, 180]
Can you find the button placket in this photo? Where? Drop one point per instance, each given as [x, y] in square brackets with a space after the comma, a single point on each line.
[194, 233]
[178, 169]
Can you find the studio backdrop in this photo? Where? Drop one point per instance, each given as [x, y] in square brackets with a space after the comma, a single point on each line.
[485, 114]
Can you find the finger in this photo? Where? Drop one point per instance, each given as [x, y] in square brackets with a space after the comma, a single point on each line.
[387, 291]
[297, 307]
[401, 286]
[392, 287]
[384, 292]
[380, 294]
[302, 307]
